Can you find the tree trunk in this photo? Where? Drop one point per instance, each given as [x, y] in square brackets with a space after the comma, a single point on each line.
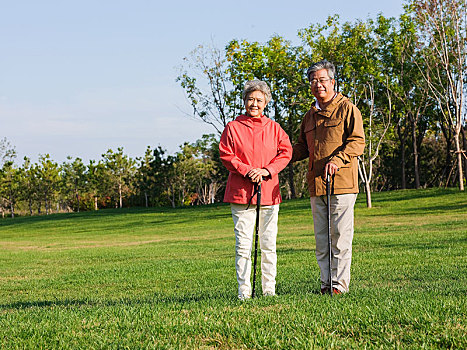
[12, 209]
[415, 155]
[46, 203]
[403, 174]
[95, 203]
[368, 194]
[448, 165]
[366, 180]
[146, 198]
[30, 206]
[402, 139]
[464, 148]
[77, 199]
[459, 160]
[293, 195]
[120, 194]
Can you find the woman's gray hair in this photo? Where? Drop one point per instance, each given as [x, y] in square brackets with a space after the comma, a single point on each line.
[324, 64]
[257, 85]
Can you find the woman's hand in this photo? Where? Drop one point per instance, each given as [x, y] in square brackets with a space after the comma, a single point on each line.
[256, 174]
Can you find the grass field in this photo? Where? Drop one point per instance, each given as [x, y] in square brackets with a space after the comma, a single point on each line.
[165, 279]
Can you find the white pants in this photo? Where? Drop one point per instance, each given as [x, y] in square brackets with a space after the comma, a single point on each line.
[244, 227]
[342, 229]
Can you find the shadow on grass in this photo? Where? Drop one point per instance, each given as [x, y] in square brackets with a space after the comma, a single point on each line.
[209, 211]
[283, 288]
[432, 209]
[285, 251]
[175, 217]
[157, 298]
[425, 246]
[405, 195]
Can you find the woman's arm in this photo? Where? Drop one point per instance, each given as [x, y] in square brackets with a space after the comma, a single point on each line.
[227, 154]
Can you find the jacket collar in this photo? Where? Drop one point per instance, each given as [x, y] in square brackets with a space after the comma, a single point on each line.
[253, 122]
[329, 109]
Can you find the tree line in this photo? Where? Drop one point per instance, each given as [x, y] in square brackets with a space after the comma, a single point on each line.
[407, 75]
[192, 176]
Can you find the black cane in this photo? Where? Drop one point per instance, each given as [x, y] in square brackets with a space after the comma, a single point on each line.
[258, 205]
[328, 193]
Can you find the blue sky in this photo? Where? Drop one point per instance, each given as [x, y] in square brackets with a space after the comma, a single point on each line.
[80, 77]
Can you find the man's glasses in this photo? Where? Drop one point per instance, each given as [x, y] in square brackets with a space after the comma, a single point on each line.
[322, 81]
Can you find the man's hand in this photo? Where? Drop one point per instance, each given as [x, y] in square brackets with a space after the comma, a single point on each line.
[256, 174]
[330, 169]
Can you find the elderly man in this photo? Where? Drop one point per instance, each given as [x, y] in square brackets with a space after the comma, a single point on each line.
[331, 135]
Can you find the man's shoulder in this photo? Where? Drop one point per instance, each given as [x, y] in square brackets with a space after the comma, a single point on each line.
[345, 105]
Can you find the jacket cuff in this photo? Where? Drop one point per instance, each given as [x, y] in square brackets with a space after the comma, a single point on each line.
[271, 169]
[244, 169]
[337, 161]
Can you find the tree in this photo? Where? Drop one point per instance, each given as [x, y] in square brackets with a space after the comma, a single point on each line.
[29, 183]
[208, 88]
[73, 175]
[403, 84]
[97, 182]
[211, 172]
[48, 174]
[145, 175]
[121, 169]
[443, 30]
[10, 185]
[7, 151]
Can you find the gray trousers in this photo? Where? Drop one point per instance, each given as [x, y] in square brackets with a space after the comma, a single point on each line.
[342, 229]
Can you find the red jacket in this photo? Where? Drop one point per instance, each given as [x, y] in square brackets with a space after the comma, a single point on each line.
[248, 143]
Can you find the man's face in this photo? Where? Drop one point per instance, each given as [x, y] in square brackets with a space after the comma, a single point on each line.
[322, 86]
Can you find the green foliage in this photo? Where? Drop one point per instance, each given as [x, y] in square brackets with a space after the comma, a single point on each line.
[73, 176]
[10, 188]
[48, 174]
[407, 76]
[120, 170]
[165, 278]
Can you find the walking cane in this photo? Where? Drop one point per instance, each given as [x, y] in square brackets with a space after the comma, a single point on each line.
[328, 194]
[258, 205]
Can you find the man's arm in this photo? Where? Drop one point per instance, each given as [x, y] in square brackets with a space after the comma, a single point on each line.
[300, 149]
[355, 141]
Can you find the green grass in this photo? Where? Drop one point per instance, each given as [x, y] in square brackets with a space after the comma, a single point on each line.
[165, 279]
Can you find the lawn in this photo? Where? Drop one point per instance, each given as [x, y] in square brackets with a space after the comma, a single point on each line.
[165, 279]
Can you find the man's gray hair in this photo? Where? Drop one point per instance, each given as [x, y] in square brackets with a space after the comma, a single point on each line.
[324, 64]
[257, 85]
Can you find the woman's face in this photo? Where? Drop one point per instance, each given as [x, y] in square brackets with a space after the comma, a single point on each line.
[255, 103]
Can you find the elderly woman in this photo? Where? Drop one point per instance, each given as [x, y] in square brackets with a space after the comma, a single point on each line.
[254, 149]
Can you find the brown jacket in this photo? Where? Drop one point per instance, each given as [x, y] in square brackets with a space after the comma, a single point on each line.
[333, 134]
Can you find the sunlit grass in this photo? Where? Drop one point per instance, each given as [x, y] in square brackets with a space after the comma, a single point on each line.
[164, 278]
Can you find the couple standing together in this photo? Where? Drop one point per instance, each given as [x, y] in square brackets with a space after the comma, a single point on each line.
[255, 149]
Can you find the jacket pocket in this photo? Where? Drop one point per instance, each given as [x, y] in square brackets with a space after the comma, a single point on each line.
[332, 122]
[344, 178]
[333, 130]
